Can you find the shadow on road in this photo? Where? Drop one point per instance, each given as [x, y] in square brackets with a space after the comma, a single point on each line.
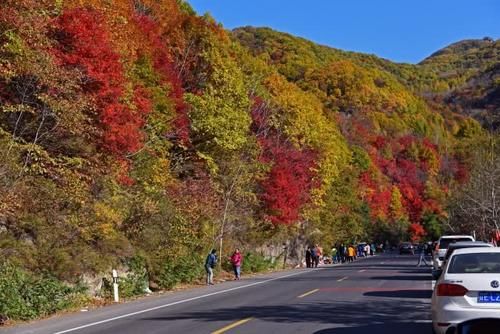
[372, 266]
[402, 278]
[419, 294]
[394, 327]
[416, 271]
[389, 311]
[371, 314]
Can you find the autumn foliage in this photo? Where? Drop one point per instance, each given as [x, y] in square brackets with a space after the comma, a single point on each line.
[165, 66]
[138, 133]
[84, 44]
[287, 187]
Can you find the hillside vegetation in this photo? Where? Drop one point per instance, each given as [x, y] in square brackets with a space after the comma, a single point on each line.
[471, 69]
[464, 76]
[138, 135]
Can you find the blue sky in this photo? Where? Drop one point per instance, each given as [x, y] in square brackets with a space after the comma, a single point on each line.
[400, 30]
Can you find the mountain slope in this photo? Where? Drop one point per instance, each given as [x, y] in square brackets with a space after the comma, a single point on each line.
[137, 135]
[471, 72]
[464, 74]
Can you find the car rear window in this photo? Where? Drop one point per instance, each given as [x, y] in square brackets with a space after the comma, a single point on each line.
[454, 248]
[488, 263]
[444, 243]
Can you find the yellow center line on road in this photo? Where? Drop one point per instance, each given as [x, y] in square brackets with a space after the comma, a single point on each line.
[342, 279]
[308, 293]
[231, 326]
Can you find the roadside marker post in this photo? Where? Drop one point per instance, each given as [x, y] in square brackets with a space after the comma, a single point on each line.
[115, 286]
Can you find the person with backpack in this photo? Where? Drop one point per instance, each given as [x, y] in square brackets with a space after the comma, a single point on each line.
[236, 259]
[210, 263]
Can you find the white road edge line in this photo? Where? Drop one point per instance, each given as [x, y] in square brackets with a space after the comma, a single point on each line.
[179, 302]
[343, 279]
[361, 271]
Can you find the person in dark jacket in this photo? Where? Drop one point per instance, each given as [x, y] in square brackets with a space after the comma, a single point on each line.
[313, 256]
[210, 263]
[308, 257]
[342, 253]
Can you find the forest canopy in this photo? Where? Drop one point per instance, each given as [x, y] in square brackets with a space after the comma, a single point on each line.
[135, 132]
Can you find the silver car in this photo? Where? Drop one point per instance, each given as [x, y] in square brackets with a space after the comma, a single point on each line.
[469, 288]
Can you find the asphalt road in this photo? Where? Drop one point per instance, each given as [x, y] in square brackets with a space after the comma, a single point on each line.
[382, 294]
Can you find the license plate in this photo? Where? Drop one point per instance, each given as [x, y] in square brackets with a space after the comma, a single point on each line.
[488, 297]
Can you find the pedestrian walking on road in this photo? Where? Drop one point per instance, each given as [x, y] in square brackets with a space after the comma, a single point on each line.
[334, 254]
[314, 253]
[236, 259]
[360, 250]
[421, 258]
[308, 257]
[210, 263]
[342, 253]
[351, 253]
[319, 256]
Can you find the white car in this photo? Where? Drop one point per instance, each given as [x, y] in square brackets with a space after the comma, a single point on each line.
[469, 288]
[441, 247]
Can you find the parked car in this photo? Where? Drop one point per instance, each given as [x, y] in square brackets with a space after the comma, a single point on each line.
[458, 245]
[464, 244]
[406, 248]
[442, 246]
[467, 289]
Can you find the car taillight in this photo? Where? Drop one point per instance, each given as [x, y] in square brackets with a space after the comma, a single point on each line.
[451, 290]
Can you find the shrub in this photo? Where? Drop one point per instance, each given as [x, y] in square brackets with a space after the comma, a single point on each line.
[190, 269]
[181, 270]
[136, 281]
[24, 296]
[256, 263]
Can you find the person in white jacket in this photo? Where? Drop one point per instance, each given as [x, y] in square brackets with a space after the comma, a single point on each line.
[367, 250]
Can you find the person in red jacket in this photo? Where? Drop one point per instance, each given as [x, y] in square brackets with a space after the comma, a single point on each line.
[236, 259]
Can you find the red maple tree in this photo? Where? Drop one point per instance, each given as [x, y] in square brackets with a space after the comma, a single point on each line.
[84, 44]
